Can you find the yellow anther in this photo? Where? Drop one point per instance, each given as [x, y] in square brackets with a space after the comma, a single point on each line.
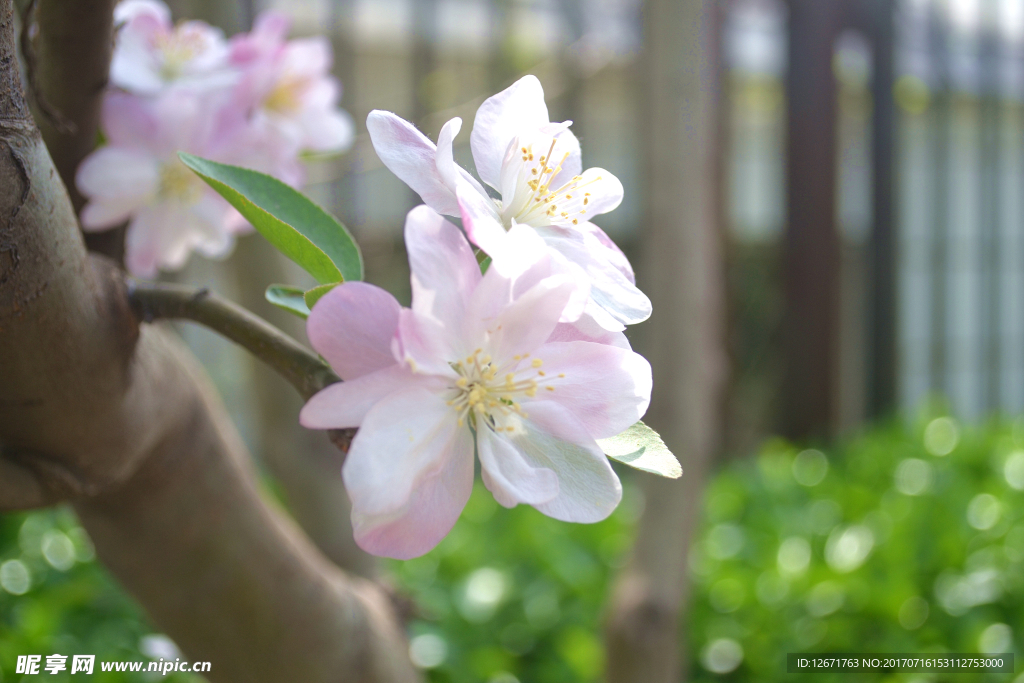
[537, 362]
[542, 373]
[461, 382]
[561, 374]
[517, 357]
[575, 222]
[550, 388]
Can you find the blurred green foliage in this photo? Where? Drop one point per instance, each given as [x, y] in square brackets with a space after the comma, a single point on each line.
[55, 599]
[905, 539]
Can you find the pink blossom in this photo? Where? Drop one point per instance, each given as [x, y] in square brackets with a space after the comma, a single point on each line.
[536, 167]
[151, 54]
[138, 176]
[478, 363]
[288, 88]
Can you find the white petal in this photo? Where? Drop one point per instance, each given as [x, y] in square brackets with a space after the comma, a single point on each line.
[554, 439]
[409, 473]
[118, 174]
[500, 119]
[509, 476]
[412, 157]
[481, 220]
[609, 287]
[607, 388]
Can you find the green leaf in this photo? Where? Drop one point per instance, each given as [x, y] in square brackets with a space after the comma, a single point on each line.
[291, 299]
[314, 295]
[484, 265]
[289, 220]
[642, 448]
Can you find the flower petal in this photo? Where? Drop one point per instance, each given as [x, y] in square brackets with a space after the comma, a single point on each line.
[481, 220]
[509, 476]
[117, 175]
[500, 119]
[426, 345]
[444, 268]
[587, 329]
[527, 322]
[413, 158]
[345, 404]
[555, 439]
[607, 388]
[609, 287]
[409, 474]
[352, 327]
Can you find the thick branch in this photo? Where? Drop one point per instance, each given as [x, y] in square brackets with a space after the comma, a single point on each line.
[167, 492]
[297, 364]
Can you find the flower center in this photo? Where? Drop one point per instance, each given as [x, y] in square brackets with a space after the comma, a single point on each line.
[286, 97]
[178, 183]
[534, 202]
[178, 48]
[489, 394]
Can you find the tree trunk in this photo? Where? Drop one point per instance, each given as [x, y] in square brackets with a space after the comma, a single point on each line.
[119, 420]
[683, 271]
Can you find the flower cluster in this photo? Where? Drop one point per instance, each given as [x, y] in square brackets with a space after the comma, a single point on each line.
[524, 366]
[256, 100]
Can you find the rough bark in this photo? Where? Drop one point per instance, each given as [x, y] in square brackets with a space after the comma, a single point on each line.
[118, 419]
[682, 271]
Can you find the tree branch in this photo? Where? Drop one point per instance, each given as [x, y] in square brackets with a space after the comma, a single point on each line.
[302, 368]
[297, 364]
[166, 490]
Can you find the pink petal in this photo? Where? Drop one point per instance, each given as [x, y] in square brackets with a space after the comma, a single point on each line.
[352, 327]
[427, 346]
[128, 120]
[527, 322]
[607, 388]
[308, 57]
[555, 439]
[588, 330]
[345, 404]
[128, 10]
[409, 474]
[444, 268]
[412, 157]
[500, 119]
[509, 476]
